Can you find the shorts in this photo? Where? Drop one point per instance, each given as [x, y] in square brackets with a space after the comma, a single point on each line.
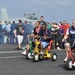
[20, 39]
[44, 44]
[72, 43]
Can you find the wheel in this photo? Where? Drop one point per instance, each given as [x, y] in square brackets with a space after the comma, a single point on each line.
[69, 64]
[28, 56]
[35, 57]
[54, 57]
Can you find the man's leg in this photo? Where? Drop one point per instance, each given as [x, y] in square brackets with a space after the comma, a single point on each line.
[67, 48]
[20, 39]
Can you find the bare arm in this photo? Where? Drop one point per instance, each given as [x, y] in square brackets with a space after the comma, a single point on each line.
[56, 26]
[15, 32]
[22, 31]
[66, 35]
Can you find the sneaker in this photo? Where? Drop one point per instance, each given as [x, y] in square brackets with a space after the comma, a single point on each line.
[20, 49]
[23, 53]
[65, 59]
[41, 52]
[74, 64]
[58, 48]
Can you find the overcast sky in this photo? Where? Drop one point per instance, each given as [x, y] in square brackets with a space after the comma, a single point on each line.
[57, 10]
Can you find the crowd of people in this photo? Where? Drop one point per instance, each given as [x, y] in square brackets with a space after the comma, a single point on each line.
[62, 33]
[8, 31]
[52, 30]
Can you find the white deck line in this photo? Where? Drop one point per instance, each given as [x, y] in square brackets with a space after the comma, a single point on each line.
[10, 57]
[9, 52]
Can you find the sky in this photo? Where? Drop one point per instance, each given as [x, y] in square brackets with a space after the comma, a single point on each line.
[57, 10]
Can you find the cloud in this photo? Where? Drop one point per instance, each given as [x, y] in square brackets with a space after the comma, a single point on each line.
[52, 8]
[63, 2]
[40, 2]
[0, 4]
[43, 6]
[46, 3]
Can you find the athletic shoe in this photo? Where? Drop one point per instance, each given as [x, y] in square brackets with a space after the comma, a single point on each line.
[74, 64]
[58, 48]
[65, 59]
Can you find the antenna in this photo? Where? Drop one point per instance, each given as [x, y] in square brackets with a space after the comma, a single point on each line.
[29, 14]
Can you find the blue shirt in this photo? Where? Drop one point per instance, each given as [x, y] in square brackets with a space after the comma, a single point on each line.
[72, 33]
[8, 28]
[0, 30]
[46, 32]
[3, 26]
[28, 28]
[13, 27]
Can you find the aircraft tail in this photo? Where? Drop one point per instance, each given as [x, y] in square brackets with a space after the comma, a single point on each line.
[4, 15]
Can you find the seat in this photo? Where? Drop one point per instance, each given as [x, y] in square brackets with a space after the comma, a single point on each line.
[48, 47]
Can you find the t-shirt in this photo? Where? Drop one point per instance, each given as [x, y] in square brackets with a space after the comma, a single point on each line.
[28, 29]
[19, 29]
[71, 33]
[42, 22]
[46, 32]
[36, 30]
[49, 26]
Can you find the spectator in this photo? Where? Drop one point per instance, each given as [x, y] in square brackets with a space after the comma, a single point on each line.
[56, 33]
[13, 27]
[4, 32]
[42, 22]
[1, 33]
[19, 34]
[65, 26]
[62, 35]
[8, 30]
[27, 30]
[49, 25]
